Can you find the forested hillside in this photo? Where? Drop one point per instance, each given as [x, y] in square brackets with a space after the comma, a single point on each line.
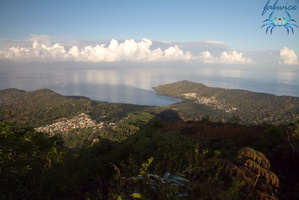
[229, 104]
[57, 147]
[42, 107]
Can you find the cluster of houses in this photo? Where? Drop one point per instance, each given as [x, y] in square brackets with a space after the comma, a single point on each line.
[64, 125]
[209, 101]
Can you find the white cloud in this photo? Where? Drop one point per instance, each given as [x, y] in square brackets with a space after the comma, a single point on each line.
[42, 49]
[38, 52]
[206, 57]
[231, 57]
[214, 42]
[129, 50]
[40, 38]
[288, 57]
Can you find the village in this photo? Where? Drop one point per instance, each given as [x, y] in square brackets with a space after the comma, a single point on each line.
[209, 101]
[64, 125]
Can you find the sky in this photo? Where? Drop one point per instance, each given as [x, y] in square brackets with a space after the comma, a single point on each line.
[214, 31]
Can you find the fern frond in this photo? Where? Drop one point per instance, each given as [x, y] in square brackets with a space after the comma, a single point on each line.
[257, 156]
[230, 168]
[271, 177]
[117, 174]
[259, 163]
[265, 196]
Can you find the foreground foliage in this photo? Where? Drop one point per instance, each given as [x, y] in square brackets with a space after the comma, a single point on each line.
[174, 160]
[25, 157]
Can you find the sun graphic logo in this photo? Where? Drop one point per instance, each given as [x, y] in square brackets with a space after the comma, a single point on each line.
[286, 22]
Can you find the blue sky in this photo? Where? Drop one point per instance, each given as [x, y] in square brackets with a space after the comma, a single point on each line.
[233, 26]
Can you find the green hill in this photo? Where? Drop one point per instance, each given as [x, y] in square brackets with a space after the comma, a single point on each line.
[41, 107]
[218, 103]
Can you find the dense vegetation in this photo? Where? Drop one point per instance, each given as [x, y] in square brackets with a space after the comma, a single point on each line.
[41, 107]
[148, 152]
[250, 107]
[203, 160]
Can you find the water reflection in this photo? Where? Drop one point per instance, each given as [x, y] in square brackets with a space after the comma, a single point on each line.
[286, 77]
[118, 93]
[132, 83]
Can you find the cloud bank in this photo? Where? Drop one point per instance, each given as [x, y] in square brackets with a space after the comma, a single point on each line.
[288, 57]
[42, 50]
[231, 57]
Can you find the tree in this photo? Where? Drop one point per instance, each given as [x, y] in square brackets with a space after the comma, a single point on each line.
[25, 155]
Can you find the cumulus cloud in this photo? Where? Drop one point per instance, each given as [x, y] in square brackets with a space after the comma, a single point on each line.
[233, 57]
[44, 50]
[129, 50]
[206, 57]
[230, 57]
[288, 57]
[38, 52]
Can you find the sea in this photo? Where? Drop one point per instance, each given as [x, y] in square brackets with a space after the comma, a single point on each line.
[133, 82]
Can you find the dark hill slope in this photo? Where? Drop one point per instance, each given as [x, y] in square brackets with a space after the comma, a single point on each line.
[34, 107]
[250, 107]
[41, 107]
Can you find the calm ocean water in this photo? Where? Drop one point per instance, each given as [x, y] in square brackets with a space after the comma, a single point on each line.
[133, 82]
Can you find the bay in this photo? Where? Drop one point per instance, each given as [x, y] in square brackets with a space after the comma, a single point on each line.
[133, 82]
